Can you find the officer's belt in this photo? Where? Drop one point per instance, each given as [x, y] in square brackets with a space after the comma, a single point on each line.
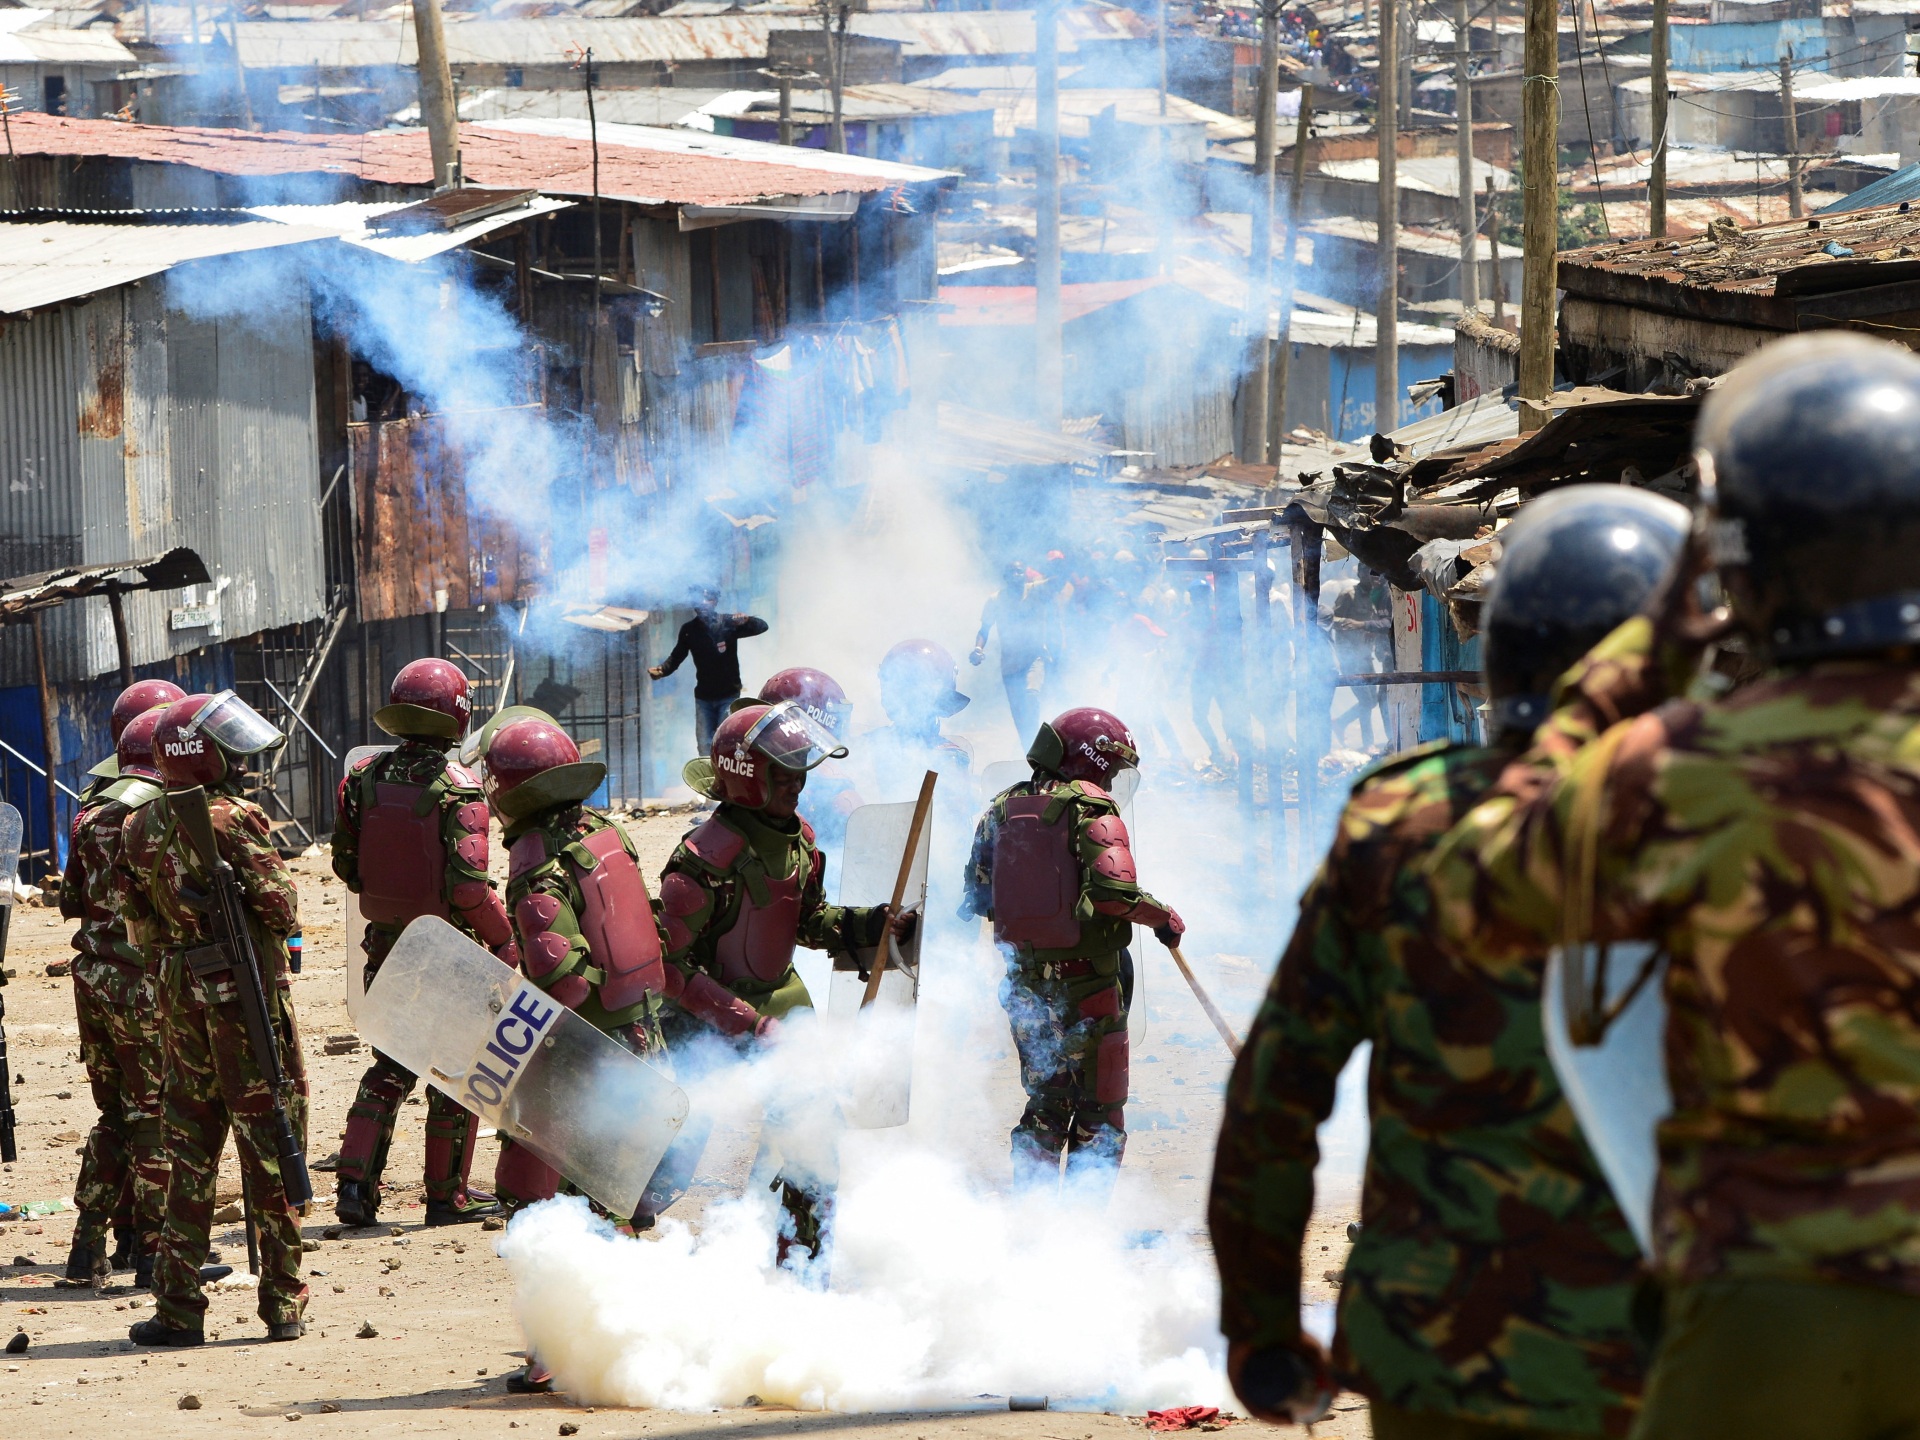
[208, 960]
[1066, 969]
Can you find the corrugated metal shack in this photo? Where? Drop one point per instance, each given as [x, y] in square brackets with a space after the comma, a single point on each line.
[1656, 314]
[740, 285]
[130, 423]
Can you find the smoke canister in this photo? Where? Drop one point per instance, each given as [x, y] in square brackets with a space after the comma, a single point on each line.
[1026, 1402]
[293, 951]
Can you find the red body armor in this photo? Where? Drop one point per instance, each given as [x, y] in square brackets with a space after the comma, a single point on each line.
[616, 921]
[1036, 877]
[761, 943]
[403, 859]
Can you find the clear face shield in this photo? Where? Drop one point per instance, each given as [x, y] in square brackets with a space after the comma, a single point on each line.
[790, 737]
[235, 726]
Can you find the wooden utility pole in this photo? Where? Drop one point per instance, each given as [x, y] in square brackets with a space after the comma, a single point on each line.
[1795, 202]
[239, 68]
[1296, 197]
[1540, 228]
[1048, 366]
[1386, 343]
[1493, 250]
[436, 93]
[1463, 143]
[1260, 250]
[1657, 156]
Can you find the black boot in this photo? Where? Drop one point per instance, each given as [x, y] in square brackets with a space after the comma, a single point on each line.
[155, 1332]
[125, 1237]
[143, 1272]
[467, 1207]
[357, 1204]
[86, 1263]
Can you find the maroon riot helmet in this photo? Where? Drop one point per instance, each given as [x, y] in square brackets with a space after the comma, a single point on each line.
[428, 699]
[138, 698]
[204, 739]
[756, 737]
[134, 748]
[534, 765]
[919, 683]
[814, 691]
[1085, 744]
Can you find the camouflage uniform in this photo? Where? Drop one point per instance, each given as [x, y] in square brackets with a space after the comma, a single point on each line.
[113, 996]
[1066, 1004]
[714, 871]
[1494, 1275]
[213, 1080]
[462, 810]
[1765, 841]
[541, 888]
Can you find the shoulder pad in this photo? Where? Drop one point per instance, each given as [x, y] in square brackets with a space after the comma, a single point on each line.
[459, 774]
[1090, 790]
[715, 844]
[360, 765]
[806, 832]
[527, 854]
[1403, 760]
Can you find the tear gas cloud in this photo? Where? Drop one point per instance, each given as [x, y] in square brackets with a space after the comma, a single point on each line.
[945, 1285]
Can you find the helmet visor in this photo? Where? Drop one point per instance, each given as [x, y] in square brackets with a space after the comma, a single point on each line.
[793, 739]
[235, 726]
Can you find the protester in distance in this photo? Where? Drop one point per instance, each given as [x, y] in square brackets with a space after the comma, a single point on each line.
[1490, 1291]
[709, 638]
[1760, 843]
[124, 1164]
[410, 839]
[1019, 611]
[1052, 867]
[739, 895]
[213, 1080]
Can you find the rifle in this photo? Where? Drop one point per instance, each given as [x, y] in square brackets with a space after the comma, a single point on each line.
[236, 936]
[8, 1152]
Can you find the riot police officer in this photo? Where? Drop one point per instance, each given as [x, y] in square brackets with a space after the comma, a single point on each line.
[410, 839]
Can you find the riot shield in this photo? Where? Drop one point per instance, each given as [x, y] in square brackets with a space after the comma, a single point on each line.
[870, 864]
[11, 829]
[350, 915]
[477, 1030]
[1618, 1087]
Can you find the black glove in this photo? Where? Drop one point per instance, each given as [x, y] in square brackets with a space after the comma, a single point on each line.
[1168, 936]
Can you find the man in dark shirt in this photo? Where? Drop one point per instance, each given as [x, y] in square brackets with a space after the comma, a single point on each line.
[709, 638]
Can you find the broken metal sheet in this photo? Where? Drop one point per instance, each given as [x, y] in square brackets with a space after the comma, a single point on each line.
[44, 263]
[357, 224]
[175, 570]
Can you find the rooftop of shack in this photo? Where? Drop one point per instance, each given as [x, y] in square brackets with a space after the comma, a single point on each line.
[637, 163]
[1789, 275]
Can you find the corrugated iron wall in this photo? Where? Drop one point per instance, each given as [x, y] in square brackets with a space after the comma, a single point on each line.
[128, 426]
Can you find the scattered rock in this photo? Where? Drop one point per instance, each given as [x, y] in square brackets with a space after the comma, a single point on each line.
[567, 1427]
[339, 1289]
[228, 1215]
[1334, 1277]
[18, 1344]
[189, 1402]
[295, 1415]
[57, 968]
[493, 1222]
[342, 1045]
[366, 1331]
[332, 1232]
[23, 1259]
[395, 1231]
[68, 1094]
[386, 1293]
[328, 1407]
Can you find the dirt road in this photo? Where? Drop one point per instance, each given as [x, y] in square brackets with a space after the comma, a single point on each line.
[438, 1302]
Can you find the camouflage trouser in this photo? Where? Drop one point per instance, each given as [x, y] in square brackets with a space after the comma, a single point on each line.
[213, 1085]
[1071, 1032]
[1390, 1422]
[1784, 1359]
[123, 1175]
[370, 1120]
